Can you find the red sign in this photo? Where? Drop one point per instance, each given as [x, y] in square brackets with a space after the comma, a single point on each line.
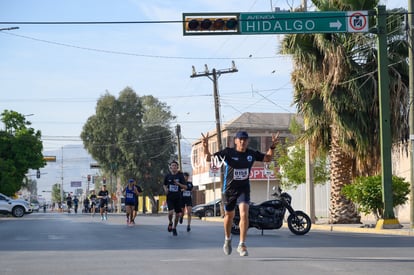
[259, 173]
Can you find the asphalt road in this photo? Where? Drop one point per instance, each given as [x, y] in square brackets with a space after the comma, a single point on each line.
[53, 243]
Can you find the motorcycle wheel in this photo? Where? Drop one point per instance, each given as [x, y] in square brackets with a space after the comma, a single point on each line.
[299, 223]
[235, 229]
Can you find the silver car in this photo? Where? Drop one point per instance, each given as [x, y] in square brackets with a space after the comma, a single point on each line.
[15, 207]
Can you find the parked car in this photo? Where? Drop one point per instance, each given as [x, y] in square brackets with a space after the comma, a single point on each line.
[35, 206]
[207, 210]
[15, 207]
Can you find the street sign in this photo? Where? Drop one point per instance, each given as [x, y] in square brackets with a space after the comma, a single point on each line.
[268, 169]
[303, 22]
[49, 158]
[95, 166]
[214, 171]
[75, 184]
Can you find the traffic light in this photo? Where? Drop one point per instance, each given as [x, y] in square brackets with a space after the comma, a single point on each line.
[210, 23]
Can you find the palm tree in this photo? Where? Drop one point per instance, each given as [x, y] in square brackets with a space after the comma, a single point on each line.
[335, 79]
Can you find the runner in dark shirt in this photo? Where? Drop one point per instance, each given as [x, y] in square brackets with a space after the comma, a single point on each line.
[238, 162]
[173, 183]
[103, 197]
[187, 201]
[93, 198]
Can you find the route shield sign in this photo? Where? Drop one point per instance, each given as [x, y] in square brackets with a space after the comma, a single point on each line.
[303, 22]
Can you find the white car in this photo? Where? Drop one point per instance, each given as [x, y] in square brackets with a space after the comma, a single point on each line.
[15, 207]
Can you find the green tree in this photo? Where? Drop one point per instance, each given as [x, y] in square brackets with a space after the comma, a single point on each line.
[130, 137]
[291, 160]
[30, 185]
[20, 150]
[158, 147]
[335, 79]
[56, 192]
[366, 192]
[105, 132]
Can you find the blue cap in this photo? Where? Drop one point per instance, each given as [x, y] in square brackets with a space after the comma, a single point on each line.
[242, 134]
[131, 180]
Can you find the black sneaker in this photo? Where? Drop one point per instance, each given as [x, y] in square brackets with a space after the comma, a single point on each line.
[188, 228]
[169, 227]
[174, 232]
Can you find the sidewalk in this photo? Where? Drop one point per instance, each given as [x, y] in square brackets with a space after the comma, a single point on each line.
[367, 228]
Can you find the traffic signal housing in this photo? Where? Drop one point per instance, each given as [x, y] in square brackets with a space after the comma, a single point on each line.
[210, 23]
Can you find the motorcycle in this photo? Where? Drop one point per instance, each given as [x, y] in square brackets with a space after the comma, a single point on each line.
[270, 215]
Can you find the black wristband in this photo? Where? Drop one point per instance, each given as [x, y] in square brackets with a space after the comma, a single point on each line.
[273, 147]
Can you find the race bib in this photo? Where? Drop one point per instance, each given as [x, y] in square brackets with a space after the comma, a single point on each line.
[241, 174]
[186, 193]
[129, 195]
[173, 188]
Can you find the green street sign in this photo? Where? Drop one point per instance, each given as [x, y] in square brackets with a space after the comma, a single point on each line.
[303, 22]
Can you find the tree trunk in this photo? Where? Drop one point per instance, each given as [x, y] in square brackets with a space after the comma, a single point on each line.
[341, 209]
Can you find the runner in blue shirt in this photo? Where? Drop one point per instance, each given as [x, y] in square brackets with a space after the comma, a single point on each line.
[131, 195]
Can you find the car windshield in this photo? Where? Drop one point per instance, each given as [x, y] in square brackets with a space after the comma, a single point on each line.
[214, 202]
[5, 197]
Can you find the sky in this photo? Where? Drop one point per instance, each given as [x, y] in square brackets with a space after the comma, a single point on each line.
[55, 73]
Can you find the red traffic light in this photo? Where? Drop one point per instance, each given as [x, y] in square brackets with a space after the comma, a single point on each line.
[218, 24]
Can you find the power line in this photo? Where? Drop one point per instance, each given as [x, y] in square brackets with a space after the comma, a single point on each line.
[330, 16]
[139, 54]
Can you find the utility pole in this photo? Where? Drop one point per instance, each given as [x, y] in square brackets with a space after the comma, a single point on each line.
[178, 134]
[411, 99]
[389, 221]
[310, 187]
[213, 76]
[61, 186]
[304, 5]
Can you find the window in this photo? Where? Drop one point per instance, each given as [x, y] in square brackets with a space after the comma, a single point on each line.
[255, 143]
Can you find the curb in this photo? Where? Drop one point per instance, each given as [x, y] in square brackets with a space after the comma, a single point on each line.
[351, 229]
[405, 231]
